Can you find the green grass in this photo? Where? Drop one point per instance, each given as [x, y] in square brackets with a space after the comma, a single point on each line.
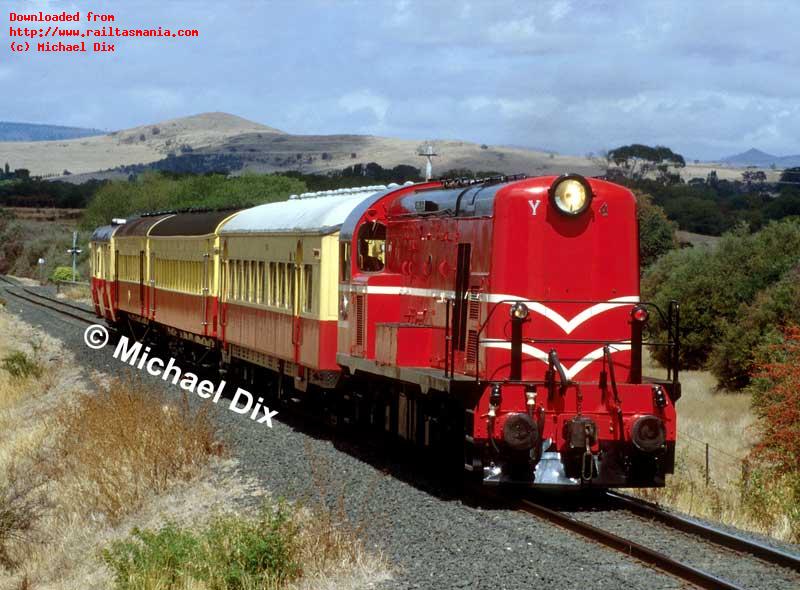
[230, 553]
[21, 366]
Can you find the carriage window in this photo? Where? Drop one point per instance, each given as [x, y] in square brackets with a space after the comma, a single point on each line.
[344, 261]
[240, 280]
[281, 284]
[371, 247]
[248, 271]
[291, 269]
[308, 275]
[273, 285]
[262, 283]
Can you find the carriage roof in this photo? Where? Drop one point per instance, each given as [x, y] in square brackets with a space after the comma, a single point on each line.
[316, 213]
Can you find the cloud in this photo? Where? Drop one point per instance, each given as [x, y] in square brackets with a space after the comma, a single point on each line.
[705, 79]
[365, 100]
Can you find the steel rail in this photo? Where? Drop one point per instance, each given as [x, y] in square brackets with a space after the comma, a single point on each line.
[92, 320]
[30, 291]
[648, 510]
[660, 561]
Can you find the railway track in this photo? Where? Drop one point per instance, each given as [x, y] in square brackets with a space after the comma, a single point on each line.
[642, 509]
[22, 292]
[654, 557]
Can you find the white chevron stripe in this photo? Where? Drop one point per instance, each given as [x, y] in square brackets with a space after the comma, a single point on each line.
[542, 355]
[567, 325]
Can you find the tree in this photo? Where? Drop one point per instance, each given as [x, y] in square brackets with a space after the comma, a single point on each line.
[712, 285]
[779, 409]
[791, 175]
[656, 232]
[637, 161]
[751, 177]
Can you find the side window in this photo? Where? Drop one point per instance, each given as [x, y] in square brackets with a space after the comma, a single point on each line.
[291, 282]
[281, 284]
[371, 247]
[273, 285]
[308, 282]
[246, 293]
[344, 262]
[239, 279]
[262, 280]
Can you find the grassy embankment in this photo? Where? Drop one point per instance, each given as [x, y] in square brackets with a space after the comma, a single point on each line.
[113, 484]
[725, 421]
[24, 240]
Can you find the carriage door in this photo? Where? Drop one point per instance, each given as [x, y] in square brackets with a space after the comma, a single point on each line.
[142, 291]
[115, 287]
[461, 305]
[152, 285]
[295, 274]
[205, 286]
[224, 273]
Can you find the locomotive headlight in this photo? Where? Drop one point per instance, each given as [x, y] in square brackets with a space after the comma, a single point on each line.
[519, 311]
[571, 194]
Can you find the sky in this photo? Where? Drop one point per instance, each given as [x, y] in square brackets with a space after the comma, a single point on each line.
[707, 79]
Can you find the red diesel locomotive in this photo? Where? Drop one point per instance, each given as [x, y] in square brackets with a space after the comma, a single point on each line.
[502, 313]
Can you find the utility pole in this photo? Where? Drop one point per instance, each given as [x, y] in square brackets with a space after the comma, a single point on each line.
[429, 154]
[74, 251]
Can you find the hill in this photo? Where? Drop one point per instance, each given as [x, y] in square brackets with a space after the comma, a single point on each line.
[34, 132]
[138, 145]
[224, 142]
[754, 157]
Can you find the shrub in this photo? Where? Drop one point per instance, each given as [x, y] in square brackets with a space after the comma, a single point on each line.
[121, 446]
[656, 232]
[21, 366]
[21, 505]
[776, 477]
[62, 273]
[160, 191]
[748, 338]
[712, 284]
[232, 552]
[778, 410]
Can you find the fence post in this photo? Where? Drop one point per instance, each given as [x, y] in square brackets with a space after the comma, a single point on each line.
[707, 472]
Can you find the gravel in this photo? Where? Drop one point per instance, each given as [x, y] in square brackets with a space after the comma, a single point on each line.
[431, 537]
[742, 569]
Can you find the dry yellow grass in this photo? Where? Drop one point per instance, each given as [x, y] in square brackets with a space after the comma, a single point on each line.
[724, 421]
[77, 293]
[80, 470]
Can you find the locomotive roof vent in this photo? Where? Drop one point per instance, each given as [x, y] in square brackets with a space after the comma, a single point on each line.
[339, 191]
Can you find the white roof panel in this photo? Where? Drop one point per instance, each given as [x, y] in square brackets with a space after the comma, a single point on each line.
[322, 212]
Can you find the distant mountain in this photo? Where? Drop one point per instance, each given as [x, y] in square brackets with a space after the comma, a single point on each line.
[754, 157]
[33, 132]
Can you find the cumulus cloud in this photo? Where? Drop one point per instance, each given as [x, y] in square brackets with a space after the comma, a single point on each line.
[706, 79]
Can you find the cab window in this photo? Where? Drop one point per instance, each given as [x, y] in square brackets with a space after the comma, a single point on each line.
[371, 247]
